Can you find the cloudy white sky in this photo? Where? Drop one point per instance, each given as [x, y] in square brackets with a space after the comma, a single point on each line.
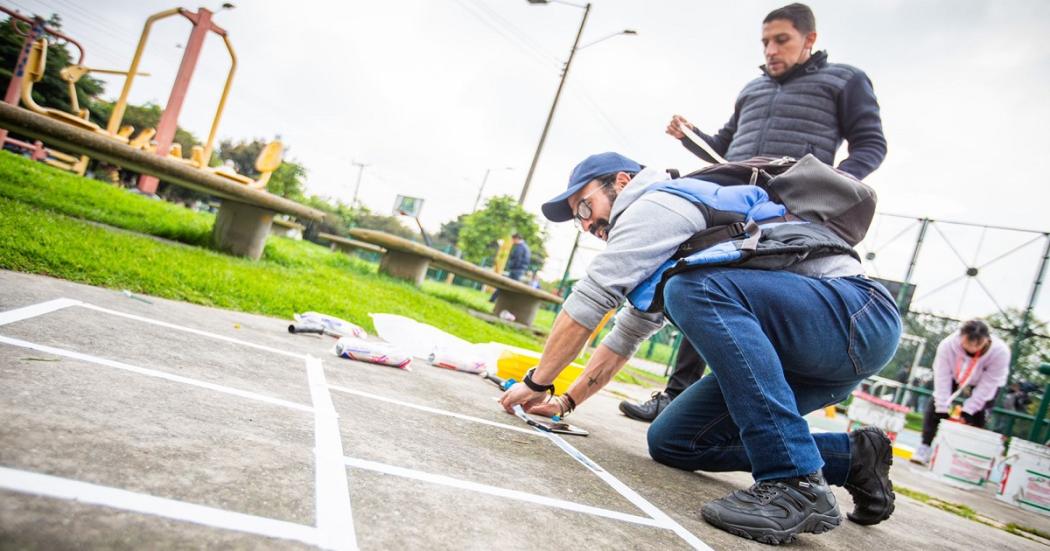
[431, 93]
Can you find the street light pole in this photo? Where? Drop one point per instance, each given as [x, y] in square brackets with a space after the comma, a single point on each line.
[477, 201]
[554, 105]
[357, 186]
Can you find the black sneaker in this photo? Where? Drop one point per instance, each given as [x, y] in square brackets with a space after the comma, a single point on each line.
[646, 411]
[868, 481]
[775, 511]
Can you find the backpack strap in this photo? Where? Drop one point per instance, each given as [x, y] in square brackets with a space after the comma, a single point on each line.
[709, 237]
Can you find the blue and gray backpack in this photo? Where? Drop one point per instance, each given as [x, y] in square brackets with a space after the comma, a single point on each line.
[763, 213]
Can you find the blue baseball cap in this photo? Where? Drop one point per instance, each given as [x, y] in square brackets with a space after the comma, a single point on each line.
[602, 164]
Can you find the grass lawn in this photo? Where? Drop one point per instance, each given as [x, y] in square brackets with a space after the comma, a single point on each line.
[44, 229]
[41, 232]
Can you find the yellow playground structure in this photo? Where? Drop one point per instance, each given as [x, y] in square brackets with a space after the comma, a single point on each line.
[153, 140]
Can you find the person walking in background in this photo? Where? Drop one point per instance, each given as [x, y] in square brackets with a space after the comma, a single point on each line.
[801, 104]
[970, 362]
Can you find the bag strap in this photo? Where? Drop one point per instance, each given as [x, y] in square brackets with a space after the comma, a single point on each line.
[696, 139]
[709, 237]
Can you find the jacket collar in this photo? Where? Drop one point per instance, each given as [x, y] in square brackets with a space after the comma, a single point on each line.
[816, 62]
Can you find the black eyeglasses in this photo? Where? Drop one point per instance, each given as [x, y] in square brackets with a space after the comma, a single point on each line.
[583, 208]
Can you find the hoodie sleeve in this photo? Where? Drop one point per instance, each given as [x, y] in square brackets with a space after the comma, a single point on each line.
[942, 373]
[996, 371]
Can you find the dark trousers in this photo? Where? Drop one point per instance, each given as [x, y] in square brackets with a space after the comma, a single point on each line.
[688, 368]
[931, 419]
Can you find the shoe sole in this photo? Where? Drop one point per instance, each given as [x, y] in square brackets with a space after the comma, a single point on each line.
[815, 523]
[887, 460]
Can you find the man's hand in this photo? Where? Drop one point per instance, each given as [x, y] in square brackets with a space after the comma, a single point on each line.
[546, 409]
[966, 418]
[521, 394]
[674, 128]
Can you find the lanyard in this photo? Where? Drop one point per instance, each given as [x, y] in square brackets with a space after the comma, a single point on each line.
[964, 378]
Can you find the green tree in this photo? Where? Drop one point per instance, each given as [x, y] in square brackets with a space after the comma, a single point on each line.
[51, 91]
[1032, 350]
[243, 154]
[288, 181]
[448, 235]
[145, 116]
[502, 215]
[362, 217]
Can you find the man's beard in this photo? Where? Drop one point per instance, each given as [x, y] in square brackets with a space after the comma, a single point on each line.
[600, 229]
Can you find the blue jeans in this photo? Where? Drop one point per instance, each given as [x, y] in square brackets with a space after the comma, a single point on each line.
[779, 346]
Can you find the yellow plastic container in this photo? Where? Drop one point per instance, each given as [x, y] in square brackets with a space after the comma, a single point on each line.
[514, 362]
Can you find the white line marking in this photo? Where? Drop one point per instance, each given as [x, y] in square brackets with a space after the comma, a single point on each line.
[64, 488]
[660, 519]
[432, 410]
[335, 520]
[193, 331]
[495, 491]
[653, 511]
[154, 373]
[34, 310]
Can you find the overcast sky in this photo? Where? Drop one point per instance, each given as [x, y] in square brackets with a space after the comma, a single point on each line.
[432, 93]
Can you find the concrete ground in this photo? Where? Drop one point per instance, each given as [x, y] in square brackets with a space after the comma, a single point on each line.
[223, 430]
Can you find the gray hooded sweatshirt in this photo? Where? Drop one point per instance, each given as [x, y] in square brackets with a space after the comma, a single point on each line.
[645, 230]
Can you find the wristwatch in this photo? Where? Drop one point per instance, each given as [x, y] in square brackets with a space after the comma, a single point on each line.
[534, 386]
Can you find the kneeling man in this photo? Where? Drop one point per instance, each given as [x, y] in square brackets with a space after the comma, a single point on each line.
[784, 336]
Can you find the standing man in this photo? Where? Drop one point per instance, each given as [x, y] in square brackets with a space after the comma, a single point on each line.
[517, 261]
[800, 104]
[788, 336]
[520, 256]
[970, 362]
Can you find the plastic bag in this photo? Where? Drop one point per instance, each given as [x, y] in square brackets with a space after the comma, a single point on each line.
[459, 360]
[313, 322]
[432, 344]
[374, 352]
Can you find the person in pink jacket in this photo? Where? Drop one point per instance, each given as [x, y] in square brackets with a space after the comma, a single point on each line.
[970, 362]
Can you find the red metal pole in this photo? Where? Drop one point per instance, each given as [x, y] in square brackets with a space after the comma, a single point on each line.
[14, 87]
[169, 120]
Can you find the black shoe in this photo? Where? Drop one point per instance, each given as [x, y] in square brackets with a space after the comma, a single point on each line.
[868, 481]
[775, 511]
[646, 411]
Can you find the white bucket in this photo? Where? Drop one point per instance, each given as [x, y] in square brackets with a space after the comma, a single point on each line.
[1026, 477]
[963, 455]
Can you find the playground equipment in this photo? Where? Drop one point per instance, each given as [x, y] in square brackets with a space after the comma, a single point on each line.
[33, 62]
[245, 215]
[202, 25]
[35, 65]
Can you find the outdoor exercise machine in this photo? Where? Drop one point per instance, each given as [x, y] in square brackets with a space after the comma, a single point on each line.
[202, 26]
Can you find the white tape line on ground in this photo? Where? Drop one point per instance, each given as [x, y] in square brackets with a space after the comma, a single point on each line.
[653, 511]
[431, 410]
[64, 488]
[193, 331]
[495, 491]
[154, 373]
[335, 520]
[34, 310]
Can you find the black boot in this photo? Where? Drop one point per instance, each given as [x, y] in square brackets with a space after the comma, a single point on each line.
[775, 511]
[868, 481]
[646, 411]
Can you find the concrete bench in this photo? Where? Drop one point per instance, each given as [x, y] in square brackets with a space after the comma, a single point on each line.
[287, 228]
[245, 215]
[349, 245]
[409, 261]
